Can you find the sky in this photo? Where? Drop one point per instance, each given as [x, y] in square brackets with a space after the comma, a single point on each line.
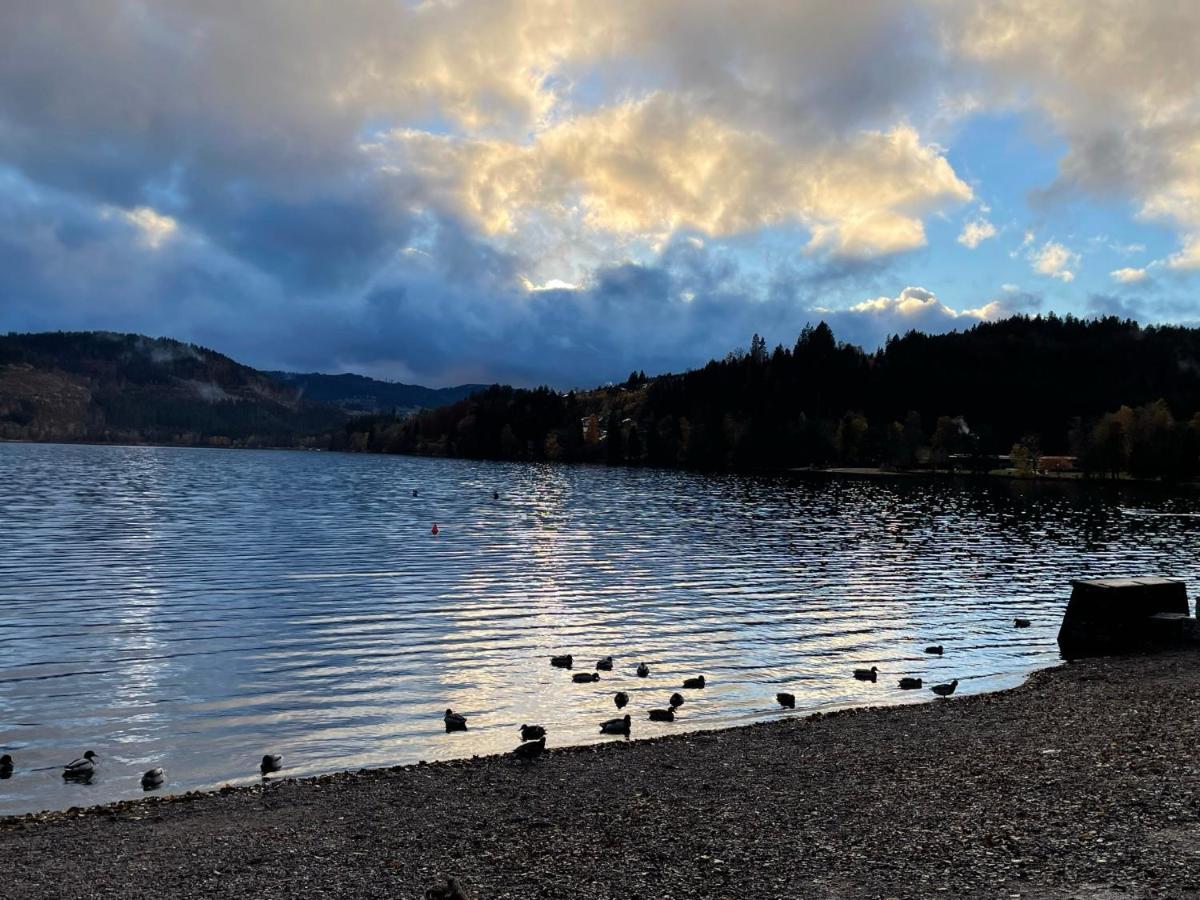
[562, 191]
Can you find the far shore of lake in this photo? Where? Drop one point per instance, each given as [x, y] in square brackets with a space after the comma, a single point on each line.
[1083, 782]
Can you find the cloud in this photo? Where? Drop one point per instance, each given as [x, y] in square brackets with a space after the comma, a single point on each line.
[1055, 260]
[1128, 275]
[976, 232]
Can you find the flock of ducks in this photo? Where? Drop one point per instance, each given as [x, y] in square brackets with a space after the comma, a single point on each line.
[533, 737]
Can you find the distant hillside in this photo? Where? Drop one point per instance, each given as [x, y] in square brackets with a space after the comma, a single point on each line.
[100, 386]
[359, 394]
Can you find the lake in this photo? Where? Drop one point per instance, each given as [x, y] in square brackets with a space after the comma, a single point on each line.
[195, 609]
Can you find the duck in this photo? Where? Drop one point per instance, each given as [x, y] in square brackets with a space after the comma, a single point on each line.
[495, 495]
[662, 715]
[643, 670]
[621, 699]
[945, 690]
[448, 889]
[81, 769]
[604, 665]
[585, 677]
[454, 721]
[562, 662]
[6, 766]
[616, 726]
[271, 762]
[870, 674]
[909, 684]
[532, 732]
[936, 649]
[786, 699]
[696, 683]
[414, 492]
[1021, 623]
[531, 749]
[153, 779]
[676, 700]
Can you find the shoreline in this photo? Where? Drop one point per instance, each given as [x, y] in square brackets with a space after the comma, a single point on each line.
[1080, 782]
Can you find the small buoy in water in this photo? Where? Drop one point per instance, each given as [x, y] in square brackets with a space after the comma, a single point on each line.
[434, 529]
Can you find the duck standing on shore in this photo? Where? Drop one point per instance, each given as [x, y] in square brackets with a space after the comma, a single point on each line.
[454, 721]
[643, 670]
[81, 769]
[945, 690]
[6, 766]
[870, 674]
[271, 762]
[585, 677]
[532, 732]
[694, 683]
[909, 684]
[786, 700]
[562, 662]
[621, 699]
[616, 726]
[153, 779]
[531, 749]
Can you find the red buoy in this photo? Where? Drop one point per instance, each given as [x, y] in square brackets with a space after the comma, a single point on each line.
[434, 530]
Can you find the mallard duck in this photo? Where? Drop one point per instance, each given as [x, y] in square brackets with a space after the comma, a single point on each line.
[662, 715]
[562, 662]
[81, 769]
[153, 779]
[1021, 623]
[531, 749]
[532, 732]
[616, 726]
[6, 766]
[643, 670]
[697, 682]
[910, 684]
[676, 700]
[605, 664]
[936, 650]
[870, 674]
[945, 690]
[621, 699]
[787, 700]
[585, 677]
[454, 721]
[271, 762]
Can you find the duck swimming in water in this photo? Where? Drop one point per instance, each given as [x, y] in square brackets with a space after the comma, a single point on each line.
[910, 684]
[786, 700]
[271, 762]
[153, 779]
[562, 662]
[867, 674]
[6, 766]
[605, 665]
[676, 700]
[532, 732]
[945, 690]
[616, 726]
[662, 715]
[81, 769]
[454, 721]
[935, 650]
[643, 670]
[584, 677]
[1021, 623]
[621, 699]
[694, 683]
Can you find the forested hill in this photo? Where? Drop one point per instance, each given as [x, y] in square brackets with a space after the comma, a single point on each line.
[100, 386]
[359, 394]
[1055, 385]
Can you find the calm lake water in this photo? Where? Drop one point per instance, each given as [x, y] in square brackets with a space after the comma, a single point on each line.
[194, 609]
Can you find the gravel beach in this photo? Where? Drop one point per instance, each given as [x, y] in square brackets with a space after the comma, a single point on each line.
[1084, 782]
